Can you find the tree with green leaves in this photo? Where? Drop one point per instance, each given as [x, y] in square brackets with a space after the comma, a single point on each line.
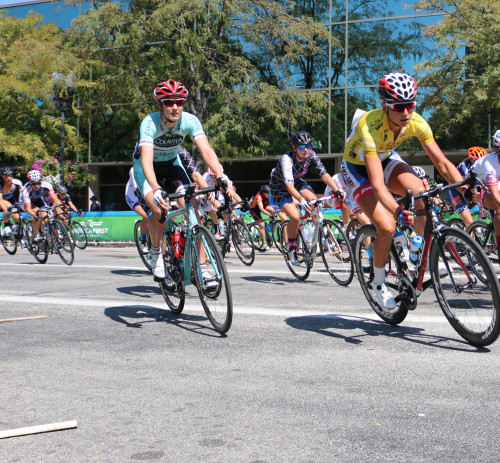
[464, 77]
[29, 52]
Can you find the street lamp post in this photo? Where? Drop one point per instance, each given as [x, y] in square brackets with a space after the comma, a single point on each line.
[63, 101]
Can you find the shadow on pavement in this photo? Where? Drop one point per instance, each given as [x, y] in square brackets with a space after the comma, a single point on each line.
[147, 314]
[132, 272]
[140, 290]
[333, 325]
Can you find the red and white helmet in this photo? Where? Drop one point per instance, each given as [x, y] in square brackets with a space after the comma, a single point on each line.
[169, 89]
[397, 88]
[34, 175]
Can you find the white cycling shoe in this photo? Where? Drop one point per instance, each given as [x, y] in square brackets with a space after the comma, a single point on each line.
[158, 266]
[384, 296]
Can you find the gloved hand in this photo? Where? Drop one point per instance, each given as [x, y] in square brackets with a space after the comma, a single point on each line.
[158, 196]
[339, 194]
[304, 203]
[222, 183]
[79, 212]
[405, 218]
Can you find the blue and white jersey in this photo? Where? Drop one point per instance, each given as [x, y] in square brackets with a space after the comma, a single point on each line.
[289, 170]
[166, 142]
[465, 167]
[12, 192]
[37, 197]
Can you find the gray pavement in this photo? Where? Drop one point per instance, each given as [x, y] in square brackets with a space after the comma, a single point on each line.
[307, 372]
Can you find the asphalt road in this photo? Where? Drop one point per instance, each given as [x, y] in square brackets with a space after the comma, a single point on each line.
[307, 372]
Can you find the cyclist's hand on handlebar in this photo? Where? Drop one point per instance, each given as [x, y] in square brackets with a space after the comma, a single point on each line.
[158, 199]
[405, 218]
[79, 212]
[305, 204]
[339, 194]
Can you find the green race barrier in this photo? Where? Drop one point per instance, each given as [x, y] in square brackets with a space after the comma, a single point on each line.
[108, 226]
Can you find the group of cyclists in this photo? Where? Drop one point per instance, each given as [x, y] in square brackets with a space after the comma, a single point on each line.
[372, 175]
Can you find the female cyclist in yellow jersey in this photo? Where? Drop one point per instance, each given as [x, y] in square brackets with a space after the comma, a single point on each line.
[370, 167]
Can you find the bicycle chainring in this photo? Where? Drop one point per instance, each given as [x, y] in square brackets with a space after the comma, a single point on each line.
[407, 293]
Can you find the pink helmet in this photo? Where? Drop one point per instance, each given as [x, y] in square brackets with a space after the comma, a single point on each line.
[169, 89]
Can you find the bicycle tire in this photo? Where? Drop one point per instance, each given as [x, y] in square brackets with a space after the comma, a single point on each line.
[243, 242]
[484, 234]
[174, 293]
[336, 253]
[455, 223]
[79, 235]
[254, 229]
[40, 251]
[216, 301]
[9, 243]
[62, 241]
[276, 235]
[471, 306]
[301, 271]
[145, 257]
[352, 229]
[364, 269]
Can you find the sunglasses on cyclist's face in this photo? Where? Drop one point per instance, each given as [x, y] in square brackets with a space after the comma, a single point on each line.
[170, 103]
[400, 107]
[303, 147]
[36, 183]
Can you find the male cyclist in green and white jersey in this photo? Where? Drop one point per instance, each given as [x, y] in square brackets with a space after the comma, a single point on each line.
[156, 160]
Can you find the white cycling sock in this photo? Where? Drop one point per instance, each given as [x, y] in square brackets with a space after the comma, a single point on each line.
[378, 275]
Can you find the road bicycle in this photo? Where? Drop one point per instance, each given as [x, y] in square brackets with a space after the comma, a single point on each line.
[78, 232]
[237, 232]
[55, 238]
[18, 235]
[272, 228]
[198, 262]
[328, 241]
[144, 255]
[464, 282]
[484, 234]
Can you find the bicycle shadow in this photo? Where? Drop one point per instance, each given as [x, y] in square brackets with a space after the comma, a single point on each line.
[140, 291]
[269, 279]
[146, 314]
[332, 325]
[132, 272]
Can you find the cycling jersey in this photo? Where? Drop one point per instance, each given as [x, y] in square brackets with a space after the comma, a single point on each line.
[372, 136]
[255, 200]
[464, 167]
[290, 170]
[11, 193]
[36, 197]
[487, 169]
[166, 142]
[348, 199]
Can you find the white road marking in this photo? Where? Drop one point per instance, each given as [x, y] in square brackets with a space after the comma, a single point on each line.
[243, 310]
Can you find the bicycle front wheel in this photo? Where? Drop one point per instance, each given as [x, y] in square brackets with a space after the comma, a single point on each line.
[79, 235]
[276, 235]
[243, 242]
[62, 241]
[144, 255]
[256, 237]
[469, 302]
[365, 238]
[302, 270]
[39, 250]
[211, 279]
[336, 253]
[9, 241]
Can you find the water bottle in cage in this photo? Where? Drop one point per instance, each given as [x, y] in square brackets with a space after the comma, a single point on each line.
[416, 244]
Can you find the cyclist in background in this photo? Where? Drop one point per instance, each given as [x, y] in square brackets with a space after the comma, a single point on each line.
[259, 204]
[156, 159]
[10, 190]
[65, 199]
[287, 184]
[371, 168]
[137, 204]
[456, 199]
[487, 169]
[33, 197]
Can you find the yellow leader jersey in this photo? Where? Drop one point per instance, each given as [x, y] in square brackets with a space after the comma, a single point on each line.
[372, 136]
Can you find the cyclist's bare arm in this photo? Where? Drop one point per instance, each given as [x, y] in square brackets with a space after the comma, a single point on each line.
[443, 165]
[327, 178]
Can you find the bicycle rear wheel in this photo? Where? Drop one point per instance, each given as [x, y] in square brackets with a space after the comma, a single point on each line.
[145, 256]
[364, 269]
[9, 242]
[174, 293]
[40, 250]
[62, 241]
[243, 242]
[471, 304]
[352, 229]
[276, 235]
[303, 269]
[212, 280]
[254, 229]
[336, 253]
[79, 235]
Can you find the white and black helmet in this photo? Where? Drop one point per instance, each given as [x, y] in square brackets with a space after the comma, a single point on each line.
[496, 139]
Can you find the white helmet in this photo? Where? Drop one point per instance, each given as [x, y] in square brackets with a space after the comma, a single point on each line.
[35, 175]
[496, 139]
